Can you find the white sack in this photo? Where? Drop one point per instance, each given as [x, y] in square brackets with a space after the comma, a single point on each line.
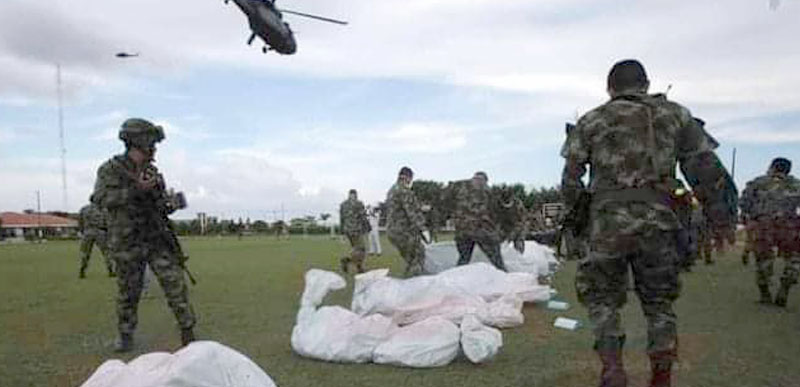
[479, 342]
[200, 364]
[375, 292]
[430, 343]
[333, 333]
[505, 312]
[538, 259]
[318, 284]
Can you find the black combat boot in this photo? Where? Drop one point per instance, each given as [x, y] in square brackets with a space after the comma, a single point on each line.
[661, 368]
[124, 343]
[745, 259]
[610, 352]
[187, 336]
[82, 274]
[766, 296]
[782, 295]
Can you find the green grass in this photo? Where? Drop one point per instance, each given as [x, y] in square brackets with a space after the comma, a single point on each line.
[55, 329]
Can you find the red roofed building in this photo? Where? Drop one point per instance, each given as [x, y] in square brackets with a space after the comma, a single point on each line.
[17, 225]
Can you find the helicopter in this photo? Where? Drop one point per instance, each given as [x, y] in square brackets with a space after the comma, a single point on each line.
[266, 22]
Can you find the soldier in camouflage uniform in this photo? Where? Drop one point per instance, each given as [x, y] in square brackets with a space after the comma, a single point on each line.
[131, 189]
[512, 219]
[703, 240]
[405, 223]
[749, 241]
[632, 143]
[771, 202]
[475, 221]
[93, 223]
[355, 225]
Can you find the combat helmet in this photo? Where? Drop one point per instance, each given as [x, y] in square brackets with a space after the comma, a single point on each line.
[140, 133]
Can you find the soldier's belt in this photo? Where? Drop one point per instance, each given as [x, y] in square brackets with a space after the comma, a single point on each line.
[648, 195]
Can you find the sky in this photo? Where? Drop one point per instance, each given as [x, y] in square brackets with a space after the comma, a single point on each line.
[447, 87]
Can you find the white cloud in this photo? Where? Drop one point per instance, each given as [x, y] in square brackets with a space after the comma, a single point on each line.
[726, 61]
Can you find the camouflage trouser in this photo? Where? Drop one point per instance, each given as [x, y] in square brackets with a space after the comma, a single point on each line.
[602, 284]
[357, 252]
[750, 240]
[490, 246]
[780, 234]
[131, 265]
[411, 249]
[88, 242]
[705, 244]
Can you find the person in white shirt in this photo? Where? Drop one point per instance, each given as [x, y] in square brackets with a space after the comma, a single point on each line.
[373, 215]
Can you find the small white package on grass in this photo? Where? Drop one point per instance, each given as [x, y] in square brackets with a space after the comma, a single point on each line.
[567, 323]
[430, 343]
[200, 364]
[538, 259]
[333, 333]
[479, 342]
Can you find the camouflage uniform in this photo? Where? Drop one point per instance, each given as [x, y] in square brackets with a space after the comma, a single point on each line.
[93, 223]
[475, 223]
[701, 235]
[139, 236]
[632, 144]
[513, 220]
[771, 203]
[404, 226]
[749, 241]
[355, 225]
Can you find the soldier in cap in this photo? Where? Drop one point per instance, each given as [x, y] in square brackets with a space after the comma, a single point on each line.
[355, 226]
[771, 203]
[405, 223]
[133, 191]
[93, 223]
[475, 221]
[632, 144]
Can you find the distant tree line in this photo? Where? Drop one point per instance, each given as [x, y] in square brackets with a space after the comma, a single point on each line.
[214, 226]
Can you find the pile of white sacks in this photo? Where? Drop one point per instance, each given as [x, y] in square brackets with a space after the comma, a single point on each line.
[419, 322]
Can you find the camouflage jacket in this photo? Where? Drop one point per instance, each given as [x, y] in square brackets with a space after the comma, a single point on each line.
[775, 195]
[353, 217]
[513, 220]
[404, 214]
[475, 210]
[135, 215]
[633, 142]
[92, 218]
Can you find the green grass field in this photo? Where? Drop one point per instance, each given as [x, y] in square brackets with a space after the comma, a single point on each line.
[56, 329]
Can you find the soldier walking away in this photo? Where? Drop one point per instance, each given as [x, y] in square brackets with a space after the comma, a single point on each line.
[703, 244]
[475, 221]
[355, 226]
[771, 203]
[749, 241]
[405, 223]
[133, 191]
[93, 224]
[632, 143]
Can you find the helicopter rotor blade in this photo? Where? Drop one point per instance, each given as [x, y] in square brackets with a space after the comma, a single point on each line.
[321, 18]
